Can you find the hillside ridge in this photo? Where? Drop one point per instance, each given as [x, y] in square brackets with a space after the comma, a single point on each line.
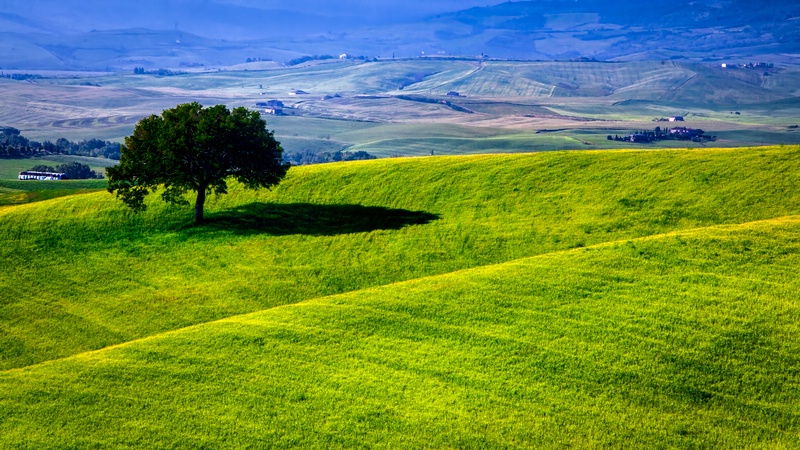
[399, 284]
[104, 275]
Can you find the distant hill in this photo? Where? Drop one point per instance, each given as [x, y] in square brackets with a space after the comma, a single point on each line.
[619, 29]
[49, 35]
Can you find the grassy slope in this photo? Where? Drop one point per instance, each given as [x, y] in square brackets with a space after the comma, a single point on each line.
[82, 272]
[683, 340]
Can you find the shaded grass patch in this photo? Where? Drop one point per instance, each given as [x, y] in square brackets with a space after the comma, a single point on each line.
[310, 219]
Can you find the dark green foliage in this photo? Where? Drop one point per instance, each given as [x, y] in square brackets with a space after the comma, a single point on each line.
[78, 171]
[14, 145]
[307, 58]
[73, 170]
[42, 168]
[191, 148]
[21, 76]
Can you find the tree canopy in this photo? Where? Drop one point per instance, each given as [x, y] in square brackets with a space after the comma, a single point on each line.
[191, 148]
[72, 170]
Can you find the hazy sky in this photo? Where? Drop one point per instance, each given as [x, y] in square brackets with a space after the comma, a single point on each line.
[196, 15]
[367, 8]
[416, 7]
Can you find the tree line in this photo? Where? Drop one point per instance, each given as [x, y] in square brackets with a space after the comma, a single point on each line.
[308, 157]
[159, 72]
[21, 76]
[307, 58]
[15, 145]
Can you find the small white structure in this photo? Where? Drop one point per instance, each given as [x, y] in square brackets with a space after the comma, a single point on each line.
[343, 56]
[34, 175]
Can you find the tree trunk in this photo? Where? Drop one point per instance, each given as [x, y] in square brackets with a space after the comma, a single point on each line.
[198, 206]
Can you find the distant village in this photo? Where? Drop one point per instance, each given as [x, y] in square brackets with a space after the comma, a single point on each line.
[757, 65]
[663, 134]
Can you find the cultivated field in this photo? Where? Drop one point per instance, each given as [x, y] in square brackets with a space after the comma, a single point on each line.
[591, 299]
[501, 107]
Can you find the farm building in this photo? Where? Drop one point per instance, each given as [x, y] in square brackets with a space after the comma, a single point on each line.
[274, 107]
[686, 133]
[33, 175]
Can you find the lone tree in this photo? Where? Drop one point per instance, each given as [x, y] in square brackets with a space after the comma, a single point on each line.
[191, 148]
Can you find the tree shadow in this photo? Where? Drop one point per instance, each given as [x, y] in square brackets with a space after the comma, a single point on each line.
[314, 220]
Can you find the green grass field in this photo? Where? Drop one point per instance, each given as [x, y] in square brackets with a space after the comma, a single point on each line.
[591, 299]
[15, 192]
[677, 341]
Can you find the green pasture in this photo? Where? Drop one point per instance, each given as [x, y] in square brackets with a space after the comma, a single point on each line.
[682, 340]
[10, 168]
[641, 299]
[14, 191]
[105, 276]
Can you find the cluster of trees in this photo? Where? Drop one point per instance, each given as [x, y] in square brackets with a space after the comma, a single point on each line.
[308, 58]
[15, 145]
[307, 157]
[257, 59]
[159, 72]
[20, 76]
[91, 147]
[659, 134]
[73, 170]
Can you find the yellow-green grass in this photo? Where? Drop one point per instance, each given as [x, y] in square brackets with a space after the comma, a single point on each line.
[683, 340]
[83, 272]
[19, 192]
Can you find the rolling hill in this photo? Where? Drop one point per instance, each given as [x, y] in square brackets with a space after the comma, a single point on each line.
[572, 298]
[401, 101]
